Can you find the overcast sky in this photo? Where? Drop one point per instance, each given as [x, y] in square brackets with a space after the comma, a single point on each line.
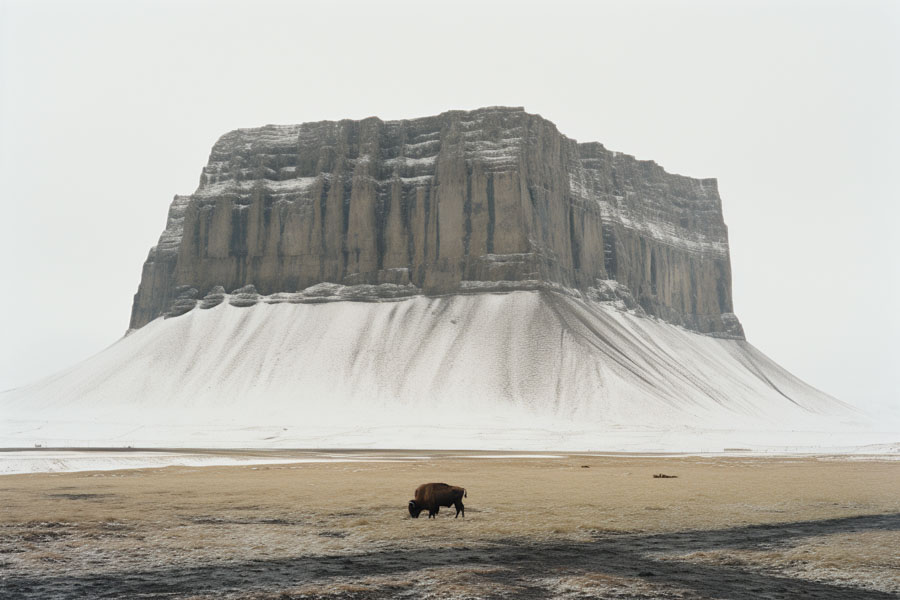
[108, 109]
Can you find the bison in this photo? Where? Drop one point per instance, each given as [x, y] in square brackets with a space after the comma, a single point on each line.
[432, 496]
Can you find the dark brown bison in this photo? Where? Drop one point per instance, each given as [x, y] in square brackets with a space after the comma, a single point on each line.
[432, 496]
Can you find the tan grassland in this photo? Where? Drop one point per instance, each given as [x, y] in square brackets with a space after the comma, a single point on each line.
[574, 526]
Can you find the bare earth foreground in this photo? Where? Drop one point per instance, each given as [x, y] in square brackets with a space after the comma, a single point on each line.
[572, 526]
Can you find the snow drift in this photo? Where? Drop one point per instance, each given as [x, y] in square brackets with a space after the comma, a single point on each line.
[525, 369]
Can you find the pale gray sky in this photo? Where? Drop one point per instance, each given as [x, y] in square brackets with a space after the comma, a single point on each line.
[108, 109]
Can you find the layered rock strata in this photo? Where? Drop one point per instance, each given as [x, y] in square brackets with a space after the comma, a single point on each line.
[491, 199]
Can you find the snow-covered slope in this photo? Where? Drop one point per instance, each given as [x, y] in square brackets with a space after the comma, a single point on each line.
[525, 369]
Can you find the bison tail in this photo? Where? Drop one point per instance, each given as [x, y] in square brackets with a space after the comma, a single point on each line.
[465, 493]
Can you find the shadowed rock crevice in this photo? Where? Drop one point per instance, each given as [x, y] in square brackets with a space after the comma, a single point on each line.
[492, 214]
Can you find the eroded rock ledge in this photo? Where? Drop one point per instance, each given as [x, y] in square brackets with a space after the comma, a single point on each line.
[610, 293]
[490, 199]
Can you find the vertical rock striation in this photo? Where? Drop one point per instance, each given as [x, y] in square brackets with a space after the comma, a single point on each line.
[494, 198]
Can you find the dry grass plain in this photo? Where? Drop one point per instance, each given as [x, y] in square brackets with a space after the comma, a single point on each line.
[577, 526]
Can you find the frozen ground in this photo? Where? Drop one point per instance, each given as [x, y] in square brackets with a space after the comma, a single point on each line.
[564, 527]
[13, 462]
[526, 370]
[61, 461]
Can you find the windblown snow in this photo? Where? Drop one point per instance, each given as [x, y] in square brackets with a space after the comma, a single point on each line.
[527, 370]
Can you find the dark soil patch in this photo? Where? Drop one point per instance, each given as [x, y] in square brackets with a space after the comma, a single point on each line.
[524, 569]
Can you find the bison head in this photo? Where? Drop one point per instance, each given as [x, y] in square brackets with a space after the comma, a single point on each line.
[414, 509]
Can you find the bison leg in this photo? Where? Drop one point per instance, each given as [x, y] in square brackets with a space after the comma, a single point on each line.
[460, 508]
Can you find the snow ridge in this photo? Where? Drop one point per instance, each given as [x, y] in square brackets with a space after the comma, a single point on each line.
[517, 370]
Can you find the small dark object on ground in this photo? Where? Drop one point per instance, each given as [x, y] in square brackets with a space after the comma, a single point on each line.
[664, 476]
[585, 466]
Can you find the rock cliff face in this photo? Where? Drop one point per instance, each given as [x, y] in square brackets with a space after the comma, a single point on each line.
[494, 198]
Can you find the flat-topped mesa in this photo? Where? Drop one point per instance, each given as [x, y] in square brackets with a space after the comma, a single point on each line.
[494, 198]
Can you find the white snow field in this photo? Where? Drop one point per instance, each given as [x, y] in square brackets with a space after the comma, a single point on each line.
[524, 370]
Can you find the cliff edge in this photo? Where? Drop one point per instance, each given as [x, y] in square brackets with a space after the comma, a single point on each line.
[494, 198]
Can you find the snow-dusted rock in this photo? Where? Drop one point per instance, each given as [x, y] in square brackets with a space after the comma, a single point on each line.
[244, 296]
[441, 204]
[214, 298]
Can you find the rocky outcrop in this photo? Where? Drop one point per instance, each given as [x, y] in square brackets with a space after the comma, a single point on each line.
[494, 198]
